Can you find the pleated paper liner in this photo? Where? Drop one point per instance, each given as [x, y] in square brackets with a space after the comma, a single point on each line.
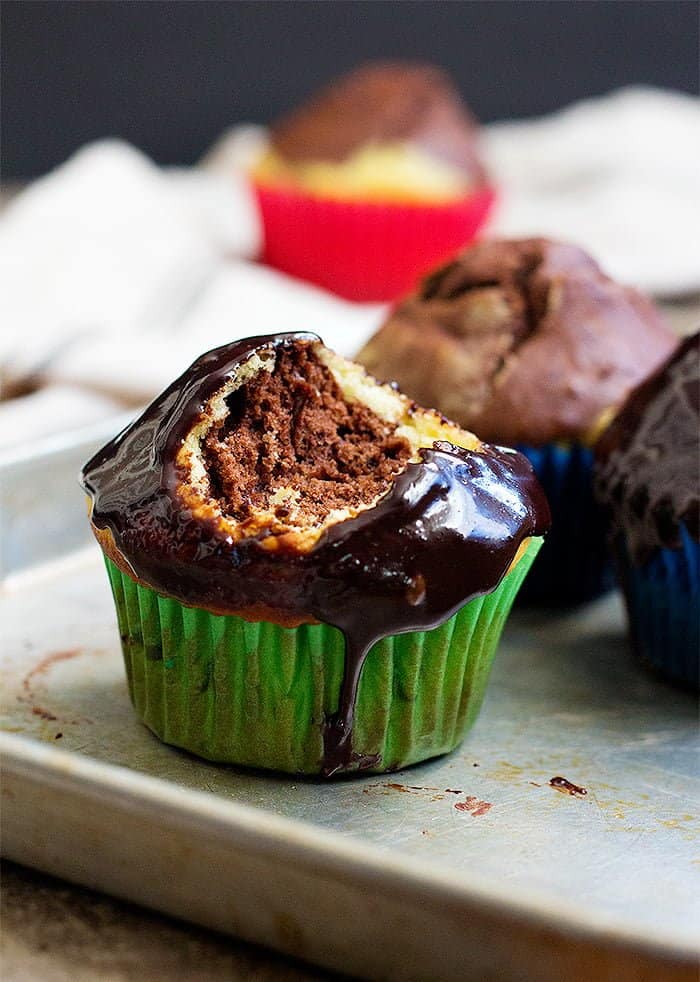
[663, 605]
[575, 564]
[257, 694]
[364, 252]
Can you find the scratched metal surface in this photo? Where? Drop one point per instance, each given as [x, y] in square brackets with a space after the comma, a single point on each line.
[565, 699]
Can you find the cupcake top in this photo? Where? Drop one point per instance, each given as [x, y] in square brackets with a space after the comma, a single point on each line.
[386, 131]
[273, 468]
[527, 341]
[648, 460]
[277, 481]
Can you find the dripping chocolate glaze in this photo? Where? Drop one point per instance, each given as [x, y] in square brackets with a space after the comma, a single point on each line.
[446, 531]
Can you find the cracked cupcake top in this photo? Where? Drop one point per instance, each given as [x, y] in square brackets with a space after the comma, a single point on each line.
[526, 341]
[648, 460]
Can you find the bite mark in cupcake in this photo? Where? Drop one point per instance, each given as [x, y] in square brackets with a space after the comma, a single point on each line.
[292, 447]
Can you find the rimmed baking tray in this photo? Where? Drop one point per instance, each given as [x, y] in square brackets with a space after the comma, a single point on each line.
[474, 865]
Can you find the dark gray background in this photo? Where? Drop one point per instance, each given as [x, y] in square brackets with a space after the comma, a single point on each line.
[169, 76]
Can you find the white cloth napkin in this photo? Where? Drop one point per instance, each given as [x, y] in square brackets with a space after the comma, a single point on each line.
[619, 175]
[241, 299]
[108, 243]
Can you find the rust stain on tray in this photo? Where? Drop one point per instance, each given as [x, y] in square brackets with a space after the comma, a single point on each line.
[41, 669]
[473, 806]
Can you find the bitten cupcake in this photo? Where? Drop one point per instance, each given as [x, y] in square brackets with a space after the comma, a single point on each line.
[311, 573]
[374, 180]
[648, 477]
[531, 345]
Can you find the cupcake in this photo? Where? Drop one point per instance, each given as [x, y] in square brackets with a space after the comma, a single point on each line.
[528, 343]
[648, 476]
[373, 181]
[310, 572]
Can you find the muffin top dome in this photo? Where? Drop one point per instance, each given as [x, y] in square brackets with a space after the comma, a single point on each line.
[380, 103]
[526, 341]
[388, 129]
[648, 460]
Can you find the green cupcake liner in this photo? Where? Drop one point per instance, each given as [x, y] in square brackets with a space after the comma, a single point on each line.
[256, 694]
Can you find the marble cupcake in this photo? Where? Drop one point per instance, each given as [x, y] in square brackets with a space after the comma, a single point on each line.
[531, 345]
[372, 181]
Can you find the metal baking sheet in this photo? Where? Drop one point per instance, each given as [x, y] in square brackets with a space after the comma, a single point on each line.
[42, 514]
[471, 863]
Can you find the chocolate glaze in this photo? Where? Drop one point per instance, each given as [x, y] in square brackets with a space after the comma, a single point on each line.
[446, 531]
[648, 460]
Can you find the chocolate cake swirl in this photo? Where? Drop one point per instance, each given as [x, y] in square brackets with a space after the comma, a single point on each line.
[525, 341]
[254, 485]
[648, 460]
[380, 103]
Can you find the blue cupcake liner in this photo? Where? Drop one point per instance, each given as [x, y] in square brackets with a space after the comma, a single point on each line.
[574, 565]
[663, 606]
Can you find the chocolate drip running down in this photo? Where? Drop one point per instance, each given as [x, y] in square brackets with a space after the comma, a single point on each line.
[446, 530]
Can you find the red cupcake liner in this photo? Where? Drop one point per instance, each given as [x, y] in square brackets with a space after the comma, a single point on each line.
[365, 252]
